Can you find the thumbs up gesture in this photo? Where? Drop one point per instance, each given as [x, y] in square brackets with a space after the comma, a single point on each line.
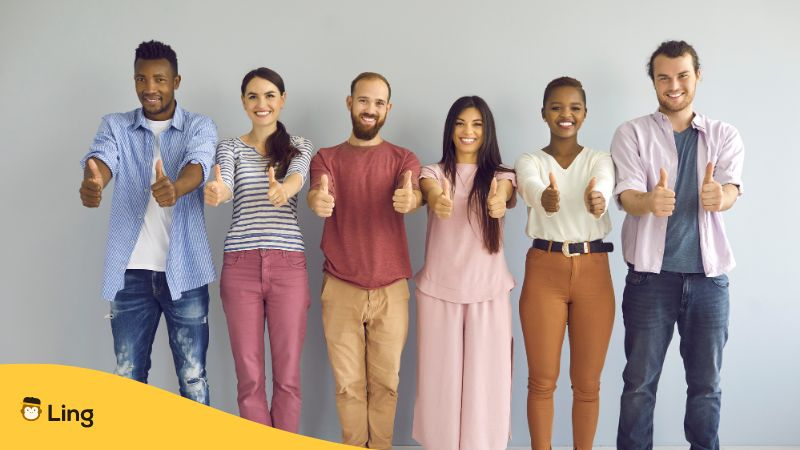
[550, 197]
[216, 191]
[404, 199]
[276, 193]
[163, 189]
[662, 198]
[595, 202]
[495, 202]
[320, 201]
[92, 186]
[440, 203]
[711, 194]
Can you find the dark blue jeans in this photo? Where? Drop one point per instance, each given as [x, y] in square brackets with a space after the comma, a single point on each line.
[135, 313]
[651, 306]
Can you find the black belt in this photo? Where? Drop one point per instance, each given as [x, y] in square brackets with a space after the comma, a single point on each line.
[574, 248]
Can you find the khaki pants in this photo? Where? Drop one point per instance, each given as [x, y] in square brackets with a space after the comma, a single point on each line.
[365, 330]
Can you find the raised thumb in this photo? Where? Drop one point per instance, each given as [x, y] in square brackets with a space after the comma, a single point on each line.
[709, 178]
[553, 183]
[323, 184]
[662, 180]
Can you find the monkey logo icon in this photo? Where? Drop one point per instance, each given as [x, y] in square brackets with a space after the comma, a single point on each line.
[31, 408]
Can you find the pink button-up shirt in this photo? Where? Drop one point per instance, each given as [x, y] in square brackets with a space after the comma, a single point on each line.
[640, 148]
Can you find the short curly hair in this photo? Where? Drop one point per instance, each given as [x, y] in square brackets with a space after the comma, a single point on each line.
[157, 50]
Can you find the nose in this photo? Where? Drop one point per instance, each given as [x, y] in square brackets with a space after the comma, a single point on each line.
[150, 85]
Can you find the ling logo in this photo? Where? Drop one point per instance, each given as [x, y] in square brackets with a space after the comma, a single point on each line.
[32, 410]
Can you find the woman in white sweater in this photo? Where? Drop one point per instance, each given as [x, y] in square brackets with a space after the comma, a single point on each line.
[567, 285]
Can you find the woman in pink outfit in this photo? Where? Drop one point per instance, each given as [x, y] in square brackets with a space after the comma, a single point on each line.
[463, 308]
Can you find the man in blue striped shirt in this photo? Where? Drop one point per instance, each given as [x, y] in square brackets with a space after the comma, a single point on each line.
[157, 256]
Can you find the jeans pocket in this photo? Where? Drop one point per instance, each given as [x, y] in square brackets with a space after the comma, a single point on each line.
[296, 259]
[721, 280]
[229, 259]
[635, 278]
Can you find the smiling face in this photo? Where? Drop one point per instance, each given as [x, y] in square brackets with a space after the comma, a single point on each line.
[369, 105]
[564, 111]
[468, 135]
[30, 412]
[155, 86]
[675, 81]
[263, 102]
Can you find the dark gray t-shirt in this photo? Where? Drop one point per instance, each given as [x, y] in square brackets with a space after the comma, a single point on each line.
[682, 247]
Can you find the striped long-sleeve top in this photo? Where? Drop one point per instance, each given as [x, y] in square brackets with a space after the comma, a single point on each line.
[256, 222]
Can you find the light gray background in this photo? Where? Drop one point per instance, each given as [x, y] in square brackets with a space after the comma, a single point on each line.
[65, 63]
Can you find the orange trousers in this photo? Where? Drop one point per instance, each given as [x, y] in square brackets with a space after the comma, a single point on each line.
[565, 293]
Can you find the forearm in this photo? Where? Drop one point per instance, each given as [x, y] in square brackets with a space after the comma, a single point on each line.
[292, 184]
[189, 179]
[635, 203]
[730, 192]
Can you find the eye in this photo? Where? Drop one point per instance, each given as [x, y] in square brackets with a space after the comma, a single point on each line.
[577, 108]
[362, 101]
[477, 124]
[555, 108]
[270, 95]
[380, 103]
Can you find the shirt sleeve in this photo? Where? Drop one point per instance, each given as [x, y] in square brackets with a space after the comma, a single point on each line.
[603, 171]
[728, 166]
[300, 162]
[319, 167]
[226, 160]
[411, 162]
[201, 147]
[104, 147]
[511, 176]
[430, 171]
[630, 171]
[529, 182]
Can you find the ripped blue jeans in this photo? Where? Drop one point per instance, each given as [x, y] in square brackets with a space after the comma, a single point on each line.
[135, 313]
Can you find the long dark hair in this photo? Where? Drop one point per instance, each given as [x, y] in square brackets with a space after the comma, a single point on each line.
[278, 145]
[489, 162]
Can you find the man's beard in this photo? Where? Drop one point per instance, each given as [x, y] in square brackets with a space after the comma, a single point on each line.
[366, 133]
[673, 108]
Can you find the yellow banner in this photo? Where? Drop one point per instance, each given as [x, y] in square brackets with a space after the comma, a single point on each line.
[53, 406]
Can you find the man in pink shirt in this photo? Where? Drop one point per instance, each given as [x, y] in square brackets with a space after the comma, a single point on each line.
[677, 171]
[363, 187]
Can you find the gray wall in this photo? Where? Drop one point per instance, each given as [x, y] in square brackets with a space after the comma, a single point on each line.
[65, 64]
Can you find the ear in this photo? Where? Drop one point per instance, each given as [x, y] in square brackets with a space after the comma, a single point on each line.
[177, 81]
[699, 74]
[283, 99]
[349, 102]
[388, 107]
[243, 104]
[543, 117]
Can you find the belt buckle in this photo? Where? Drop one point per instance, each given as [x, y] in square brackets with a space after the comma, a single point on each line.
[565, 250]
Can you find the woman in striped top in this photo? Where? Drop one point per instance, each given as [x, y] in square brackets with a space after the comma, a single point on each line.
[264, 277]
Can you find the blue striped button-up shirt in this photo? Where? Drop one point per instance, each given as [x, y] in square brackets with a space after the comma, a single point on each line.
[125, 143]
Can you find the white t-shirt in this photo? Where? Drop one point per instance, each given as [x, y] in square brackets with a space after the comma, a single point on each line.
[151, 247]
[572, 222]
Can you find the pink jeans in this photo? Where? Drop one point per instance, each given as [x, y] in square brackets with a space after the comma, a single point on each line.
[271, 285]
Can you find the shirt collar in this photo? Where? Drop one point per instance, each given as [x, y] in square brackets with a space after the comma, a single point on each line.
[177, 118]
[698, 121]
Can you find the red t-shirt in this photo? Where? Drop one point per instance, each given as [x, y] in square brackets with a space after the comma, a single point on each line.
[364, 241]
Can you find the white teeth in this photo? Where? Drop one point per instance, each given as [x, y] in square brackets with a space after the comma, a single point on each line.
[565, 124]
[262, 113]
[674, 95]
[468, 140]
